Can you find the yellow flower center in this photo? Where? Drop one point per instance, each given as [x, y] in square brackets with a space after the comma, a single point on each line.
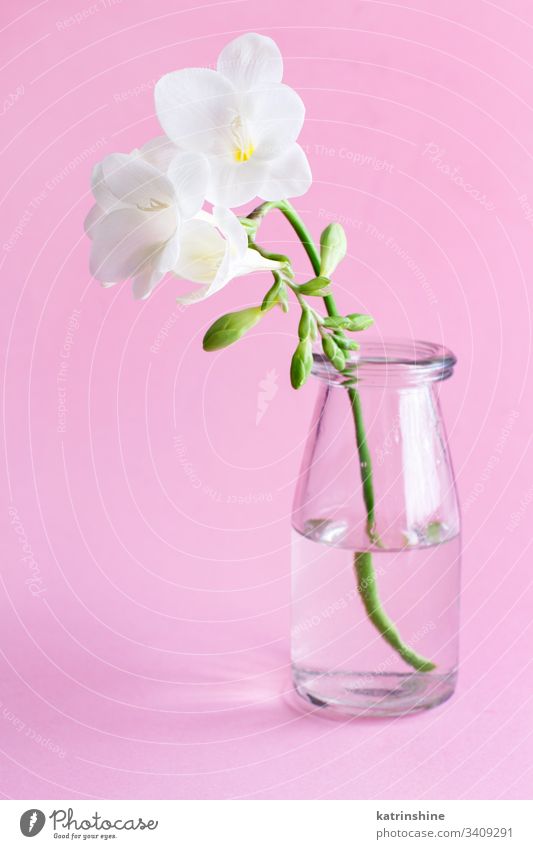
[243, 147]
[243, 154]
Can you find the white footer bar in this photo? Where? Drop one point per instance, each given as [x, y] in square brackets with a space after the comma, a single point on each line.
[268, 824]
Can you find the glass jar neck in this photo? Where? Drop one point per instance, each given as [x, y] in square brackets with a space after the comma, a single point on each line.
[389, 362]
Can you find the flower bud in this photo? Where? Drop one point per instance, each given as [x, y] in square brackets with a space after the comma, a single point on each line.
[304, 327]
[317, 286]
[272, 297]
[333, 352]
[301, 364]
[332, 248]
[228, 328]
[357, 321]
[337, 321]
[345, 343]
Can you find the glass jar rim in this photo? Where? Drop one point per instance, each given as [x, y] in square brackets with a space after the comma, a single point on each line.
[385, 361]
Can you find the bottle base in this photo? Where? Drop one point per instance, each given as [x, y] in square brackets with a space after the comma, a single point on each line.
[373, 693]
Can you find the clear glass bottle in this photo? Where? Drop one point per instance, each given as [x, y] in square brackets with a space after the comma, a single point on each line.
[376, 537]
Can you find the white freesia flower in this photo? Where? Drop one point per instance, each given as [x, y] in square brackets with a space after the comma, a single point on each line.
[213, 250]
[142, 199]
[243, 119]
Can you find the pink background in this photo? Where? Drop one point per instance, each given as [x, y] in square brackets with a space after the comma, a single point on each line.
[149, 658]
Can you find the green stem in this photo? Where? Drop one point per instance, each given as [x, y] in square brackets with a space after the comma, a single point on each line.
[365, 463]
[307, 242]
[366, 576]
[366, 584]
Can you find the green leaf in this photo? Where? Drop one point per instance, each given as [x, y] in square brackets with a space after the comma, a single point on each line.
[332, 351]
[332, 248]
[357, 321]
[301, 363]
[316, 286]
[230, 327]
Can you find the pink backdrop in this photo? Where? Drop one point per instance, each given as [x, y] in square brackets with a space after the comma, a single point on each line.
[145, 500]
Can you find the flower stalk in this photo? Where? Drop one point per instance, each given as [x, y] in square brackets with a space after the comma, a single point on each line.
[366, 584]
[363, 564]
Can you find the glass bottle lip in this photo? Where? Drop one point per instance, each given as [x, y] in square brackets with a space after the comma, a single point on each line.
[389, 361]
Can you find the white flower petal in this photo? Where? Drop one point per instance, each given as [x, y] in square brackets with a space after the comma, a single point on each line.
[102, 194]
[159, 152]
[95, 214]
[275, 115]
[234, 183]
[289, 175]
[195, 107]
[125, 240]
[212, 253]
[136, 182]
[202, 251]
[167, 256]
[253, 261]
[189, 174]
[145, 283]
[203, 215]
[232, 229]
[221, 279]
[251, 60]
[232, 267]
[199, 293]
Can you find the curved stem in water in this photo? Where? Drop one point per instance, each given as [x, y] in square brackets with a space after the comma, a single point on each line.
[366, 584]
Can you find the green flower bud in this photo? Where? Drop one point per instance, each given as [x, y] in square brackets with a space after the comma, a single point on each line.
[336, 321]
[301, 364]
[357, 321]
[345, 343]
[333, 352]
[304, 327]
[272, 297]
[228, 328]
[332, 248]
[316, 286]
[283, 299]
